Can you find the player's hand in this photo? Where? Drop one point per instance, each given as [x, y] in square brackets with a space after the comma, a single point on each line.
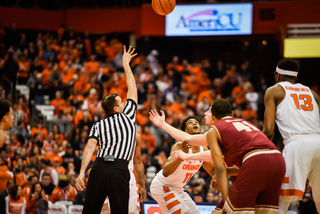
[156, 118]
[80, 182]
[214, 184]
[179, 154]
[186, 145]
[143, 194]
[128, 55]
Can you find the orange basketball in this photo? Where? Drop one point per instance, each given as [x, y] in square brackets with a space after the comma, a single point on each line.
[163, 7]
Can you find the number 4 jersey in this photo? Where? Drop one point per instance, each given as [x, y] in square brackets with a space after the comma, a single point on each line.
[238, 137]
[182, 174]
[298, 112]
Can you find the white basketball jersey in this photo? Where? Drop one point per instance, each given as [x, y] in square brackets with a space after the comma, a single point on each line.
[182, 174]
[130, 165]
[298, 112]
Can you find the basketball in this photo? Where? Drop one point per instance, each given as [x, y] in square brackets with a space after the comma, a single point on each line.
[163, 7]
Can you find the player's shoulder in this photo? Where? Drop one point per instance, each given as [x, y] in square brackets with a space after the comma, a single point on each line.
[274, 88]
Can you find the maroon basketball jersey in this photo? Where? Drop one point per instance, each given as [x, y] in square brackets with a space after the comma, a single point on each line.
[238, 137]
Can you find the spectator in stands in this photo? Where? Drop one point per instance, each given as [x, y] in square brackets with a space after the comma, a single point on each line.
[4, 194]
[60, 193]
[22, 177]
[11, 69]
[61, 121]
[148, 140]
[57, 166]
[48, 143]
[35, 195]
[20, 129]
[196, 193]
[15, 203]
[46, 184]
[27, 189]
[58, 102]
[46, 168]
[40, 130]
[70, 157]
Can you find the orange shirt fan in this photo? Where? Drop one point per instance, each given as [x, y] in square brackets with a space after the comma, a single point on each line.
[163, 7]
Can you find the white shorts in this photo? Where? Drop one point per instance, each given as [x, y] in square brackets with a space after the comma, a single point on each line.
[302, 157]
[172, 200]
[134, 203]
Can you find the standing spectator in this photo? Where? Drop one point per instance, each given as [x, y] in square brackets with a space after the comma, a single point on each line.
[15, 203]
[148, 139]
[153, 61]
[11, 69]
[70, 157]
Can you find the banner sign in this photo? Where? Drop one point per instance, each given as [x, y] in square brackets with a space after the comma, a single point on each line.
[210, 20]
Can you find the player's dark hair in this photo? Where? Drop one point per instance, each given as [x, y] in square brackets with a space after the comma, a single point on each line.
[221, 108]
[108, 103]
[289, 65]
[4, 108]
[184, 122]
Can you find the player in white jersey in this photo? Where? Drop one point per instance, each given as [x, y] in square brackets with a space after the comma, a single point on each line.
[134, 199]
[295, 109]
[167, 186]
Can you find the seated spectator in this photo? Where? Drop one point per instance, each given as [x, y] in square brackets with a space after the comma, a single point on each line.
[15, 203]
[57, 102]
[48, 143]
[148, 139]
[81, 142]
[249, 114]
[85, 121]
[46, 184]
[55, 154]
[22, 177]
[46, 168]
[92, 66]
[70, 157]
[60, 193]
[27, 189]
[61, 121]
[4, 194]
[196, 193]
[36, 194]
[212, 197]
[14, 143]
[57, 166]
[73, 190]
[20, 130]
[39, 129]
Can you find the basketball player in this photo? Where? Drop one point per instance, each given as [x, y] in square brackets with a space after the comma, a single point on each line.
[167, 186]
[295, 109]
[261, 166]
[6, 120]
[134, 200]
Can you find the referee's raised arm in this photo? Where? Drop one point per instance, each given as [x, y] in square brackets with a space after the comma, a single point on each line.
[131, 83]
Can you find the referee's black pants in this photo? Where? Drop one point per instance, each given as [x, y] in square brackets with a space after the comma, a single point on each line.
[108, 179]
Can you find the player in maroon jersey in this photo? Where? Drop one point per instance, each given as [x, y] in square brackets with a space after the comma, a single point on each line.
[261, 166]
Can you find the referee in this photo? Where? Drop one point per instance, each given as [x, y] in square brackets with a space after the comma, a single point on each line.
[116, 137]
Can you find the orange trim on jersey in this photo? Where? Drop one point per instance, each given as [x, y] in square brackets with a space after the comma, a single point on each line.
[285, 180]
[168, 197]
[172, 204]
[290, 192]
[177, 211]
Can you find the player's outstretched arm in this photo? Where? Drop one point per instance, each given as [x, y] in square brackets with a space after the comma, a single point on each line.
[131, 83]
[172, 165]
[138, 165]
[196, 140]
[201, 156]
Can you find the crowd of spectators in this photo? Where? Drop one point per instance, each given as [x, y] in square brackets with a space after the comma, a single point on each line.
[75, 72]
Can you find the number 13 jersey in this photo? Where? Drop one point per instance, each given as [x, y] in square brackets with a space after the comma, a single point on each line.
[298, 112]
[182, 174]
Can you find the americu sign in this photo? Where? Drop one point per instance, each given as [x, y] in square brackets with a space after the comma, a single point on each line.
[210, 20]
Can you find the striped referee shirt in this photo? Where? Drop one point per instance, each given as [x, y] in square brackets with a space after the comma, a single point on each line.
[116, 134]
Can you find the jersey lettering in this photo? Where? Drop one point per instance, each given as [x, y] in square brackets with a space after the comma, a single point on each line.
[166, 189]
[244, 125]
[187, 178]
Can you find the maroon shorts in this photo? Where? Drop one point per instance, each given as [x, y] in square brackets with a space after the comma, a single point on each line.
[258, 183]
